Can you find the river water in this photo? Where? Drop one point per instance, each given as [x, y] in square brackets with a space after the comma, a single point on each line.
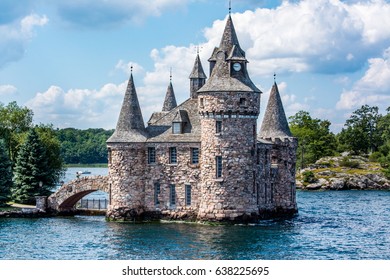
[330, 225]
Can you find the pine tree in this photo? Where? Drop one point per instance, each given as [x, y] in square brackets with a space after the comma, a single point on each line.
[6, 175]
[32, 177]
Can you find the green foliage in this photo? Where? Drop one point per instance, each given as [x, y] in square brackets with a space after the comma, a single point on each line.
[314, 138]
[309, 177]
[362, 133]
[6, 175]
[14, 122]
[32, 174]
[347, 162]
[84, 146]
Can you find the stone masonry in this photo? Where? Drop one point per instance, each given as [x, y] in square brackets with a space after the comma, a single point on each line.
[204, 159]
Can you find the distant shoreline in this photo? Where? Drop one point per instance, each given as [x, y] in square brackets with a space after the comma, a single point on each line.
[91, 165]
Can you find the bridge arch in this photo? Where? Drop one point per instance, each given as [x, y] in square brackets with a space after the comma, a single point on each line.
[68, 194]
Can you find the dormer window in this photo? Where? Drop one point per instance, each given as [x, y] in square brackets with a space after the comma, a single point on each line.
[242, 102]
[177, 128]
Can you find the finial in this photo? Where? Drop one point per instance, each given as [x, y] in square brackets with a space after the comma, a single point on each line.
[170, 74]
[197, 49]
[131, 69]
[274, 77]
[230, 7]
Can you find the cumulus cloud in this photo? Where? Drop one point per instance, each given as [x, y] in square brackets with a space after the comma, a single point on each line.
[103, 14]
[373, 88]
[79, 107]
[15, 35]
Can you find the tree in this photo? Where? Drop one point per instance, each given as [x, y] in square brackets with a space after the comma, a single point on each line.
[362, 134]
[14, 121]
[6, 175]
[32, 174]
[314, 138]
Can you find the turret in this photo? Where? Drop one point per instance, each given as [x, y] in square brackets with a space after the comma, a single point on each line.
[197, 77]
[170, 99]
[229, 105]
[126, 148]
[281, 188]
[275, 123]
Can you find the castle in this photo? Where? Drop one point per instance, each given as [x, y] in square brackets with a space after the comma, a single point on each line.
[204, 159]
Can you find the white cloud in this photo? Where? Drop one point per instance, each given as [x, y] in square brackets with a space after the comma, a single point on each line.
[15, 35]
[79, 107]
[7, 90]
[372, 89]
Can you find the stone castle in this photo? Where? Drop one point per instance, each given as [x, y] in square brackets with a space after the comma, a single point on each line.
[204, 159]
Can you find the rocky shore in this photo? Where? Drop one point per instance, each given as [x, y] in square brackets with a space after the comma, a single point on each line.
[342, 173]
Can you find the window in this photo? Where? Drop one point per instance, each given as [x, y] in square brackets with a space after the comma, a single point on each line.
[194, 155]
[151, 155]
[242, 101]
[218, 126]
[218, 165]
[172, 194]
[156, 193]
[176, 128]
[172, 155]
[109, 156]
[188, 195]
[201, 103]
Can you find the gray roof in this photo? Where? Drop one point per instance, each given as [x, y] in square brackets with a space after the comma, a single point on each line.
[220, 78]
[197, 71]
[170, 99]
[130, 126]
[275, 123]
[187, 113]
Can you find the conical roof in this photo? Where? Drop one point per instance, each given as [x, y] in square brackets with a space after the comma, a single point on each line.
[170, 100]
[275, 123]
[130, 126]
[197, 71]
[228, 51]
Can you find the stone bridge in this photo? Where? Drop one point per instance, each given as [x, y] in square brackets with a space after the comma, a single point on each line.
[66, 197]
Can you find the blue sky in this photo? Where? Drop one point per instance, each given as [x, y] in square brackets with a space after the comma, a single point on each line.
[69, 60]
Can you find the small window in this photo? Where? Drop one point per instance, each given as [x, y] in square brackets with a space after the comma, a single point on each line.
[172, 155]
[172, 194]
[201, 103]
[188, 195]
[242, 101]
[109, 156]
[218, 165]
[176, 128]
[151, 155]
[218, 126]
[194, 155]
[156, 193]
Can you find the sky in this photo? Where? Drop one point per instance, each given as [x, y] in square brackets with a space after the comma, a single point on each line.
[69, 60]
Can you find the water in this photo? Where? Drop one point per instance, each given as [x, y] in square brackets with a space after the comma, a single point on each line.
[330, 225]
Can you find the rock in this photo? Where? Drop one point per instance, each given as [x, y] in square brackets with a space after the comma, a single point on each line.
[314, 186]
[336, 184]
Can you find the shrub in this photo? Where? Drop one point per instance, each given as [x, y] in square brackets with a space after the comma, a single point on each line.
[309, 177]
[346, 162]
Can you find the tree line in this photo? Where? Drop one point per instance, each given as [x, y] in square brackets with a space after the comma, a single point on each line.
[366, 132]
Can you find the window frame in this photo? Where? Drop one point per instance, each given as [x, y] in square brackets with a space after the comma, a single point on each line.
[151, 155]
[177, 128]
[218, 167]
[172, 155]
[157, 191]
[194, 157]
[188, 194]
[218, 126]
[172, 194]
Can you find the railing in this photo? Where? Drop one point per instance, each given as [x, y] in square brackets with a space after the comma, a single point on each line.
[92, 204]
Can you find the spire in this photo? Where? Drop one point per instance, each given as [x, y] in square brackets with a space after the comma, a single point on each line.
[229, 37]
[275, 122]
[197, 71]
[170, 100]
[197, 77]
[130, 126]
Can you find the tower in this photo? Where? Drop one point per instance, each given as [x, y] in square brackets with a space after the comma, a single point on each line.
[170, 99]
[126, 149]
[228, 105]
[281, 186]
[197, 77]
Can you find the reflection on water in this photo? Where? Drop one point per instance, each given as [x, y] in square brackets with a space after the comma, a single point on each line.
[330, 225]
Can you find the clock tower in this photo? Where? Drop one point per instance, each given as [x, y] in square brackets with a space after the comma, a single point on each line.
[228, 105]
